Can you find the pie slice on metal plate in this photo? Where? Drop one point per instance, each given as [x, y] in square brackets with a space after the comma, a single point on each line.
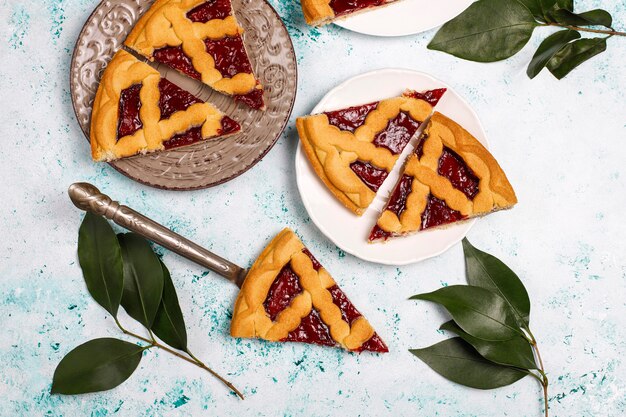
[203, 40]
[136, 111]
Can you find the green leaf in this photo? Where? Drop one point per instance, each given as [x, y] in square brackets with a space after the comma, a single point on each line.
[538, 8]
[478, 311]
[169, 324]
[534, 7]
[100, 258]
[487, 271]
[97, 365]
[548, 48]
[565, 4]
[546, 5]
[457, 361]
[514, 352]
[574, 54]
[597, 17]
[143, 279]
[487, 31]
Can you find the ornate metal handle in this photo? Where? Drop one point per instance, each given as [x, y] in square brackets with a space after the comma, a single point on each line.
[88, 198]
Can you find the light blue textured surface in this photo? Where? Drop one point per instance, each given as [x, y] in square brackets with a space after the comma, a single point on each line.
[562, 145]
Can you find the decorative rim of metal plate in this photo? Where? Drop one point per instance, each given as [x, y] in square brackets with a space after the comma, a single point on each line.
[214, 161]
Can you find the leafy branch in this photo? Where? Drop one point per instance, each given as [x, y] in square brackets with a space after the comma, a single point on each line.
[493, 30]
[494, 346]
[124, 270]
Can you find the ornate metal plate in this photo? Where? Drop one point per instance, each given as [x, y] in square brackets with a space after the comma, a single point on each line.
[210, 162]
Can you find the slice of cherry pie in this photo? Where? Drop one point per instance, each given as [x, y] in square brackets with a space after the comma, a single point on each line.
[203, 40]
[288, 296]
[321, 12]
[450, 177]
[136, 111]
[353, 150]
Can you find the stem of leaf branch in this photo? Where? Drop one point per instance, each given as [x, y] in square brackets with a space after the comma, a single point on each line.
[602, 31]
[193, 359]
[544, 378]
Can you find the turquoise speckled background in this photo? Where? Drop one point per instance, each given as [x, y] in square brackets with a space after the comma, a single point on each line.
[562, 144]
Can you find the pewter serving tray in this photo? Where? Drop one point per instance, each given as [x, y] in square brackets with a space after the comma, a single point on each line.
[210, 162]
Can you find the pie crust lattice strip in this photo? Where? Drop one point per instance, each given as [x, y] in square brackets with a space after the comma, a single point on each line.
[289, 296]
[136, 111]
[353, 150]
[450, 177]
[203, 40]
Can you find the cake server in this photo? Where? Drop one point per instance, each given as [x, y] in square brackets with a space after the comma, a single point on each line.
[87, 197]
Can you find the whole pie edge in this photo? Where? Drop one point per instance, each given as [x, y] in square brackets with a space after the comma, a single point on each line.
[319, 169]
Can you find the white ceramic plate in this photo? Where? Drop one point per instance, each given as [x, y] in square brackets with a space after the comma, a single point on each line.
[404, 17]
[349, 231]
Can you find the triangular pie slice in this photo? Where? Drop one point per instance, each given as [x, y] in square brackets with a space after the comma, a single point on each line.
[203, 40]
[353, 150]
[322, 12]
[288, 296]
[449, 178]
[136, 112]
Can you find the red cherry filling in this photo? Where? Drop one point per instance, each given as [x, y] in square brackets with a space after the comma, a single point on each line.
[316, 265]
[437, 213]
[372, 177]
[419, 149]
[311, 330]
[398, 133]
[229, 55]
[175, 57]
[396, 204]
[213, 9]
[343, 7]
[284, 289]
[128, 112]
[374, 344]
[194, 134]
[378, 234]
[228, 126]
[173, 99]
[348, 312]
[431, 96]
[253, 99]
[230, 59]
[351, 118]
[454, 168]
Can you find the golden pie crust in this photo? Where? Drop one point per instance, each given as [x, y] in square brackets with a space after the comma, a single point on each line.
[331, 150]
[250, 319]
[124, 71]
[166, 24]
[320, 12]
[494, 190]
